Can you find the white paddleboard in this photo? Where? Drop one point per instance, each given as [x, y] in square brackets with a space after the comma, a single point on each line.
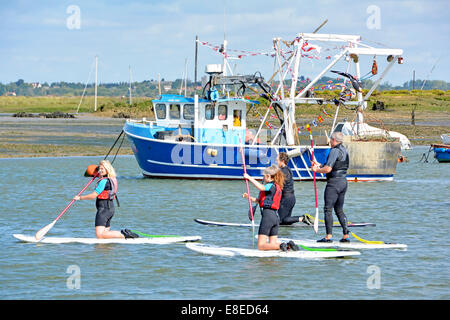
[227, 251]
[344, 245]
[141, 240]
[294, 225]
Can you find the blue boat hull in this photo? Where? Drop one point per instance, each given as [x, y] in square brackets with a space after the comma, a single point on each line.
[442, 153]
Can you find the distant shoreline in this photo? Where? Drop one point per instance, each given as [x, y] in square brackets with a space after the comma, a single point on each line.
[93, 133]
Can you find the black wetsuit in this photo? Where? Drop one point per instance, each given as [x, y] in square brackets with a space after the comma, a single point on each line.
[105, 209]
[287, 199]
[336, 188]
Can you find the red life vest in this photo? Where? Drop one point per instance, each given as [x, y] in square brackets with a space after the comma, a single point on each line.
[108, 193]
[270, 199]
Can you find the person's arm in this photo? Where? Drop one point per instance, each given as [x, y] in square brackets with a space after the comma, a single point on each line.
[89, 196]
[253, 199]
[256, 183]
[331, 160]
[99, 189]
[324, 169]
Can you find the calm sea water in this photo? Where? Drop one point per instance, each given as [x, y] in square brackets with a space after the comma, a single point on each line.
[413, 209]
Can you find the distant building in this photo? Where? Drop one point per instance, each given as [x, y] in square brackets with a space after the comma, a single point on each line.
[36, 85]
[10, 94]
[167, 85]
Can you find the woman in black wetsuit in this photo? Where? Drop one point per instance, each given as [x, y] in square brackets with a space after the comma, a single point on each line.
[104, 194]
[288, 197]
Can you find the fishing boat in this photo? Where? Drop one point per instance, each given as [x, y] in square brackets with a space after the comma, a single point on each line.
[201, 136]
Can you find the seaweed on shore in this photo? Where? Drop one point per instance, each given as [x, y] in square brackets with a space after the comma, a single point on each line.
[54, 115]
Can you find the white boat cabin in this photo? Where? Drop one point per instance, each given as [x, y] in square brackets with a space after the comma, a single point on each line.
[217, 122]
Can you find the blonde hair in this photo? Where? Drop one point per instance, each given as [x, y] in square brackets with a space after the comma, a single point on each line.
[275, 173]
[109, 168]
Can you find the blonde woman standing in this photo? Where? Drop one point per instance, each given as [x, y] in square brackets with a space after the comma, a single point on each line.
[105, 192]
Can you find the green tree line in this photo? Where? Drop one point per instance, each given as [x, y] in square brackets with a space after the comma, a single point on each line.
[149, 88]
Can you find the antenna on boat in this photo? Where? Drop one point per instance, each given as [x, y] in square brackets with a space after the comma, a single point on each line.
[319, 27]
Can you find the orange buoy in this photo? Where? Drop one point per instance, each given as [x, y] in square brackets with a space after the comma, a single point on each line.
[91, 170]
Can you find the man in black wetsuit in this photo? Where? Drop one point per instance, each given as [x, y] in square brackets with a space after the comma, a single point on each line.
[288, 197]
[336, 171]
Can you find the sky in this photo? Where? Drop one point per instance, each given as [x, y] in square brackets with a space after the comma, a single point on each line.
[50, 41]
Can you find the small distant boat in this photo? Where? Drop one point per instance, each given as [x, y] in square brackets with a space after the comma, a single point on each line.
[441, 152]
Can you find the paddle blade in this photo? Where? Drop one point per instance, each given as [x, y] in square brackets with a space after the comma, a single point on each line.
[41, 233]
[316, 221]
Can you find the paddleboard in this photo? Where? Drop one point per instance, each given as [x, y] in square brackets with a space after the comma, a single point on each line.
[141, 240]
[295, 225]
[230, 252]
[344, 245]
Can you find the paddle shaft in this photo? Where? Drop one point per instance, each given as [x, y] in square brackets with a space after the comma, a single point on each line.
[316, 220]
[314, 174]
[246, 181]
[248, 192]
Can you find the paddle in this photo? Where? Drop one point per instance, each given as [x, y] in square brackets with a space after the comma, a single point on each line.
[248, 192]
[354, 235]
[41, 233]
[366, 241]
[316, 219]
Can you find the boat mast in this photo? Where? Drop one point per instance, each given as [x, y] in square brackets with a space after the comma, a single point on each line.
[195, 67]
[185, 77]
[96, 72]
[129, 89]
[159, 83]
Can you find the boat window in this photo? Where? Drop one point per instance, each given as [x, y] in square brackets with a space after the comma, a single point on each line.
[160, 111]
[222, 112]
[209, 112]
[237, 116]
[174, 111]
[188, 111]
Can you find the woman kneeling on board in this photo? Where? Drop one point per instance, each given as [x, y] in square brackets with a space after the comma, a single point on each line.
[105, 193]
[269, 200]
